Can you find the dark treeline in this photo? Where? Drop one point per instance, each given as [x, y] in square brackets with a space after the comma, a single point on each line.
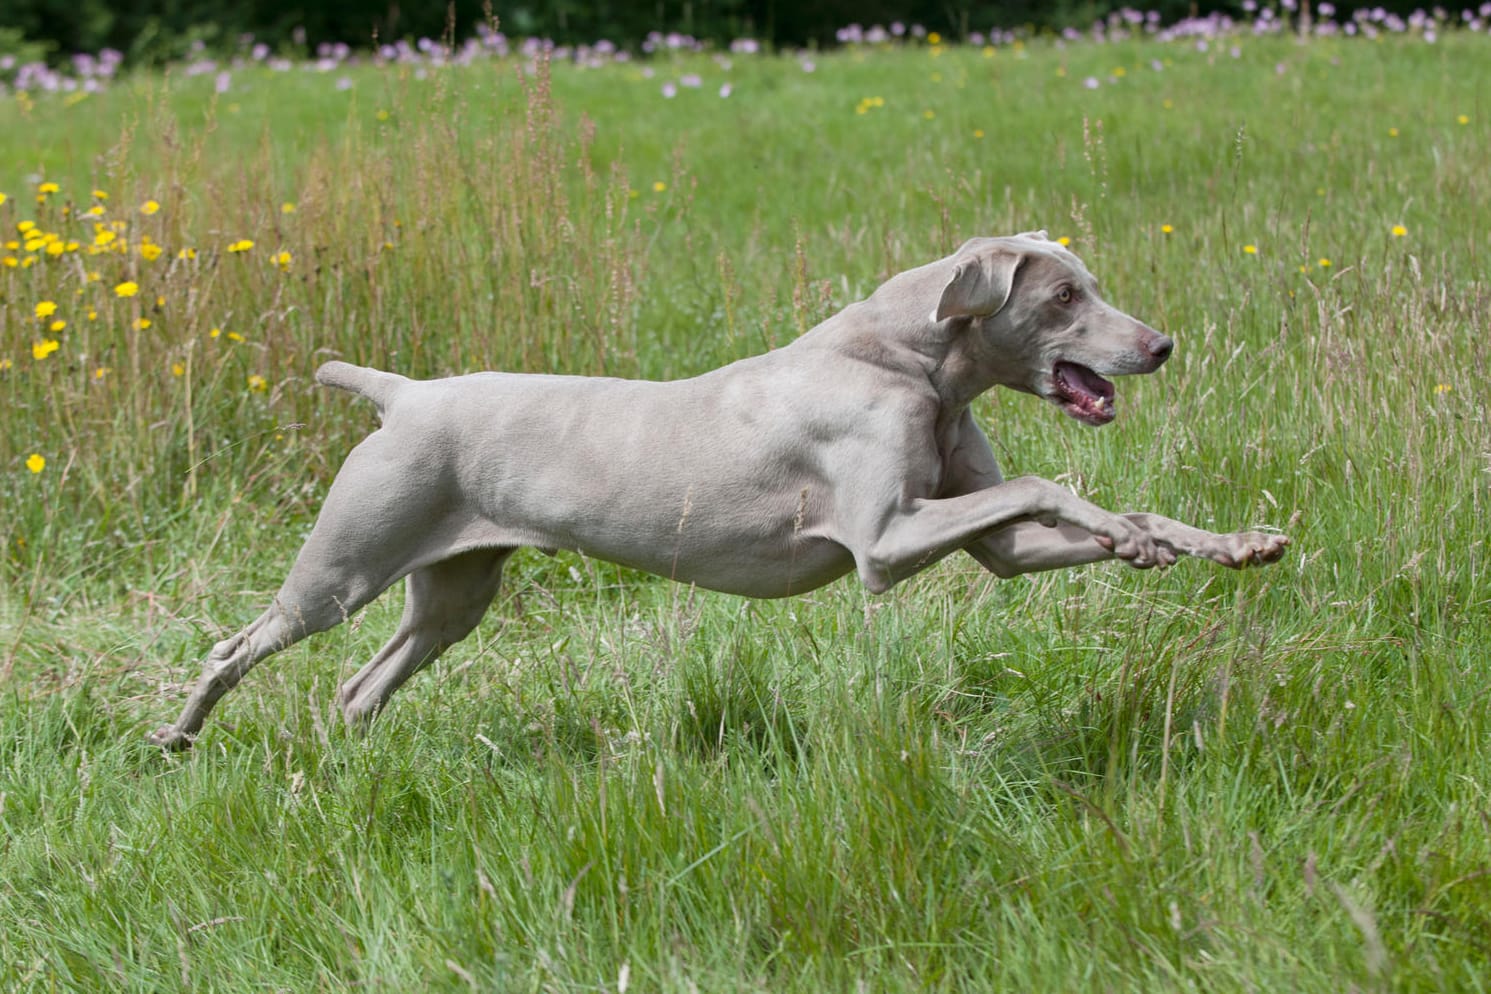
[156, 30]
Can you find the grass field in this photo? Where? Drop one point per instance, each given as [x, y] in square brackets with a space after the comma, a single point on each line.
[1095, 780]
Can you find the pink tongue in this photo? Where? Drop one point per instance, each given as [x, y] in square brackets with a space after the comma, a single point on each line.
[1081, 380]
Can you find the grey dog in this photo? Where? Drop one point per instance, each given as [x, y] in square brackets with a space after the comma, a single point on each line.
[852, 448]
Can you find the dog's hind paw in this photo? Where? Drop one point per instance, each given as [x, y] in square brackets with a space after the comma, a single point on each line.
[170, 739]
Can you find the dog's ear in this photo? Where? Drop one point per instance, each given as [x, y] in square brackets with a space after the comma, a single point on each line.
[980, 286]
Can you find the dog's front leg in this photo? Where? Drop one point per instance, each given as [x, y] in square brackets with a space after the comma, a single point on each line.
[1027, 547]
[913, 538]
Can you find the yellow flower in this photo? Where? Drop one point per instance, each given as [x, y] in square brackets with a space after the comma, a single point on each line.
[287, 208]
[5, 364]
[46, 309]
[104, 237]
[127, 289]
[150, 251]
[25, 226]
[177, 369]
[140, 324]
[934, 38]
[36, 462]
[1399, 231]
[187, 253]
[214, 332]
[57, 325]
[659, 186]
[1463, 119]
[1064, 241]
[1443, 388]
[1165, 229]
[257, 383]
[40, 350]
[48, 188]
[149, 207]
[1392, 132]
[234, 336]
[282, 259]
[100, 195]
[242, 245]
[3, 198]
[978, 132]
[1325, 263]
[101, 372]
[1251, 249]
[1119, 72]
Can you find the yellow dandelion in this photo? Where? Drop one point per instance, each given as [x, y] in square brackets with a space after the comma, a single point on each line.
[177, 369]
[1392, 132]
[140, 324]
[978, 132]
[1165, 229]
[46, 188]
[242, 245]
[1063, 241]
[659, 186]
[150, 251]
[287, 208]
[1443, 388]
[5, 364]
[1119, 72]
[1324, 263]
[149, 207]
[46, 309]
[257, 383]
[934, 38]
[214, 332]
[101, 372]
[43, 348]
[234, 336]
[1399, 231]
[100, 195]
[57, 325]
[103, 238]
[25, 226]
[10, 261]
[1250, 249]
[187, 253]
[282, 259]
[97, 210]
[929, 114]
[127, 289]
[36, 462]
[1463, 119]
[3, 198]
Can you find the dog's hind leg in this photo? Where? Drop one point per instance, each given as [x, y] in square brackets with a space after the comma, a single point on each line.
[288, 620]
[443, 602]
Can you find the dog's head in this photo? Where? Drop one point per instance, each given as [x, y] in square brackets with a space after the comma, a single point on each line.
[1038, 324]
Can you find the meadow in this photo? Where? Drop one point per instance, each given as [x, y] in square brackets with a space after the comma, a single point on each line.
[1094, 780]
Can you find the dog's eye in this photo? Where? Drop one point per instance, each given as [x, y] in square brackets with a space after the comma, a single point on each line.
[1064, 295]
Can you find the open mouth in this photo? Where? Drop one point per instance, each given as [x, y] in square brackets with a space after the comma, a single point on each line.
[1082, 393]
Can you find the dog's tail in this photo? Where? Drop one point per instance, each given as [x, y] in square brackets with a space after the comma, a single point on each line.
[374, 384]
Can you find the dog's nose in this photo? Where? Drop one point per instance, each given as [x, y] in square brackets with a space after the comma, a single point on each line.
[1160, 346]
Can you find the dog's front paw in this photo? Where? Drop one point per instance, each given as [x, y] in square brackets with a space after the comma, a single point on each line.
[1243, 549]
[170, 739]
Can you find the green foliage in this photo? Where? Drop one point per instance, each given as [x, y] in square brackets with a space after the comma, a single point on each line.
[1098, 779]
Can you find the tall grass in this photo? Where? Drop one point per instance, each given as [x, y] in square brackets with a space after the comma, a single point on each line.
[1092, 780]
